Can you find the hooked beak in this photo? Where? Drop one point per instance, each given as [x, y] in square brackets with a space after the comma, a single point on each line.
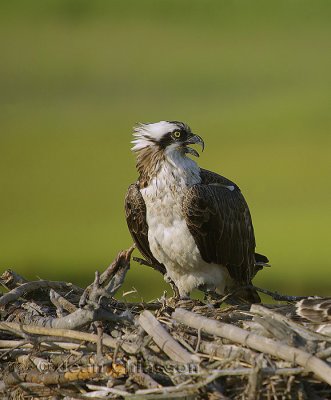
[194, 139]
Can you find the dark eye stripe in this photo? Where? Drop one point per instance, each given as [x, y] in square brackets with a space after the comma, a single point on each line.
[169, 139]
[165, 141]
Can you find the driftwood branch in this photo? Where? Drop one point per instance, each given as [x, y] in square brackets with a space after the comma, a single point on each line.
[107, 284]
[61, 302]
[28, 287]
[57, 334]
[75, 320]
[10, 279]
[301, 330]
[164, 340]
[59, 340]
[51, 378]
[255, 342]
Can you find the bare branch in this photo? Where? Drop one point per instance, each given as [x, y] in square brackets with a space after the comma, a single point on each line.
[107, 340]
[60, 301]
[25, 288]
[10, 279]
[256, 342]
[164, 340]
[109, 281]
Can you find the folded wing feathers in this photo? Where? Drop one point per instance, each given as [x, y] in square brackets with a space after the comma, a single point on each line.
[217, 217]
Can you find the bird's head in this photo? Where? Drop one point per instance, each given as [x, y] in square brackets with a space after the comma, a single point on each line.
[170, 137]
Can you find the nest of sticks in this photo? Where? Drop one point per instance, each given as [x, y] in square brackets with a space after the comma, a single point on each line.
[60, 341]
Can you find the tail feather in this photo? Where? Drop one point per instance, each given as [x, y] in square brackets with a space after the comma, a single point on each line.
[261, 260]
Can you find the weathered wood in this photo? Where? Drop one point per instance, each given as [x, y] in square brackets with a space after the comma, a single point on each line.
[22, 344]
[50, 378]
[299, 329]
[145, 380]
[65, 333]
[172, 361]
[164, 340]
[28, 287]
[40, 363]
[60, 301]
[259, 343]
[107, 284]
[10, 279]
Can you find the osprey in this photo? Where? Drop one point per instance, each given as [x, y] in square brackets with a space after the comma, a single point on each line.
[191, 223]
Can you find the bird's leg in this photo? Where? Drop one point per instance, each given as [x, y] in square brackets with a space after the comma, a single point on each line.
[210, 296]
[175, 290]
[173, 287]
[279, 297]
[179, 299]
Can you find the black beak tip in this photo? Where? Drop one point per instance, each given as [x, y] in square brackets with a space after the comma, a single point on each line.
[201, 142]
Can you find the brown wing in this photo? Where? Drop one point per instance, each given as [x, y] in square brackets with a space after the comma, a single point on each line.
[218, 217]
[135, 212]
[208, 178]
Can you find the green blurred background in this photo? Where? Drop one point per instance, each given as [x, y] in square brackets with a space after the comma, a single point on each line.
[251, 77]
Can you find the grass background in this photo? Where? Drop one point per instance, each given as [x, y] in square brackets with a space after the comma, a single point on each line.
[252, 78]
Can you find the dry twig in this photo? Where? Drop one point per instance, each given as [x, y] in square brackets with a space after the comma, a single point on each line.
[219, 357]
[259, 343]
[164, 340]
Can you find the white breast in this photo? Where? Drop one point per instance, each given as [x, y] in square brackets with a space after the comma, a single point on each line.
[170, 241]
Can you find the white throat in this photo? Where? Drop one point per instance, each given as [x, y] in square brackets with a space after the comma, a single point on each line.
[180, 165]
[176, 175]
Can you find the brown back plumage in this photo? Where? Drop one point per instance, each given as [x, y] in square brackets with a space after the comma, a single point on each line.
[218, 217]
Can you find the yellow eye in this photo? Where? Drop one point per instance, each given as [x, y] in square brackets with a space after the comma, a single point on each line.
[176, 134]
